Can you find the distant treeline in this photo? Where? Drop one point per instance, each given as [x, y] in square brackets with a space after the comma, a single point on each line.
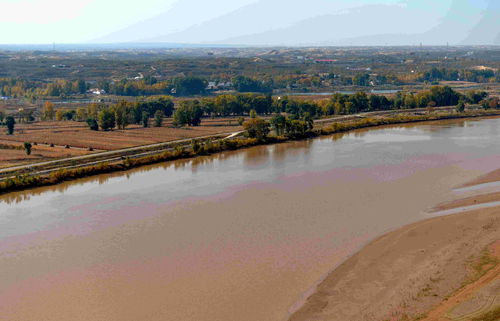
[191, 111]
[437, 74]
[192, 85]
[147, 86]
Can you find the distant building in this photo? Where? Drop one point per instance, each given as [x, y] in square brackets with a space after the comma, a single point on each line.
[325, 61]
[96, 91]
[212, 85]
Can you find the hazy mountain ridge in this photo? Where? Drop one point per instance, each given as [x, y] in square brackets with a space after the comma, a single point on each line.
[465, 23]
[323, 22]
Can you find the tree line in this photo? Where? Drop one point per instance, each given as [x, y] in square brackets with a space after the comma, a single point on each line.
[190, 112]
[472, 75]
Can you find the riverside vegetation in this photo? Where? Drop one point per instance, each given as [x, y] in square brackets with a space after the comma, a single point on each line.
[256, 131]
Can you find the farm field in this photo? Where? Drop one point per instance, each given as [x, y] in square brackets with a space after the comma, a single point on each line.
[83, 141]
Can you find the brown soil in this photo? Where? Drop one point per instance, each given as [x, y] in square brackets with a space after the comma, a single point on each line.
[12, 157]
[80, 138]
[474, 299]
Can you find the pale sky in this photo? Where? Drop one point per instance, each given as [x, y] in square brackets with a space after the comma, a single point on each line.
[77, 21]
[70, 21]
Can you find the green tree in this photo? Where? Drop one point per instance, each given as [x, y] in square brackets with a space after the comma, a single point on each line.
[253, 113]
[460, 106]
[82, 86]
[245, 84]
[10, 122]
[92, 123]
[188, 113]
[158, 118]
[69, 114]
[145, 119]
[2, 116]
[27, 148]
[257, 128]
[188, 86]
[106, 119]
[121, 116]
[278, 122]
[309, 121]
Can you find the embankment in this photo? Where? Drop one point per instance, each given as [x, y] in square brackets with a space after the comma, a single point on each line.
[74, 170]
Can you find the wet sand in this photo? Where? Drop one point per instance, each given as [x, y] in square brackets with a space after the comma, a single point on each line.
[237, 236]
[416, 270]
[485, 179]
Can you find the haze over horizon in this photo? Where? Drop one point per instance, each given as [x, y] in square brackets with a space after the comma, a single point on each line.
[254, 22]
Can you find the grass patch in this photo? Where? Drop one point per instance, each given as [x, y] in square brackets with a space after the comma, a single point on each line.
[493, 315]
[482, 265]
[15, 147]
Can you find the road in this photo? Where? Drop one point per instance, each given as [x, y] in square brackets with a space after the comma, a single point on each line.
[109, 156]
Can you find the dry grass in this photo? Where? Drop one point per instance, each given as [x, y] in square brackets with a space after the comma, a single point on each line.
[77, 134]
[482, 265]
[11, 155]
[489, 316]
[80, 138]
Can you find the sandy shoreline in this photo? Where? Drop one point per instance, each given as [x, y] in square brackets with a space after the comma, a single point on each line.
[409, 274]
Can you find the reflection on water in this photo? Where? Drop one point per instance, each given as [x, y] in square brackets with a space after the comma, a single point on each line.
[233, 236]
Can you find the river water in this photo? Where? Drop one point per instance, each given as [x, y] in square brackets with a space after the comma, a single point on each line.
[239, 236]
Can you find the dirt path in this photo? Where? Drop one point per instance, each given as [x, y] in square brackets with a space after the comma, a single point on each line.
[109, 155]
[469, 298]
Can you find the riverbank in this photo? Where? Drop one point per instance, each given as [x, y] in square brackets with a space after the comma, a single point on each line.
[238, 235]
[208, 147]
[443, 268]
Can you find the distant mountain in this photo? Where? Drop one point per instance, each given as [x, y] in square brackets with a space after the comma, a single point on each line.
[182, 15]
[342, 28]
[327, 22]
[466, 22]
[488, 29]
[261, 16]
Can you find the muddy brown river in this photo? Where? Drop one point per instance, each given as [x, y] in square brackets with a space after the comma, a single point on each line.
[240, 236]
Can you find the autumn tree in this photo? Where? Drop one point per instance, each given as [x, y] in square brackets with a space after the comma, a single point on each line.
[81, 114]
[48, 112]
[59, 115]
[158, 118]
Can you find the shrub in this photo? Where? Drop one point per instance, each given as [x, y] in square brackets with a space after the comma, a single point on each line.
[27, 148]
